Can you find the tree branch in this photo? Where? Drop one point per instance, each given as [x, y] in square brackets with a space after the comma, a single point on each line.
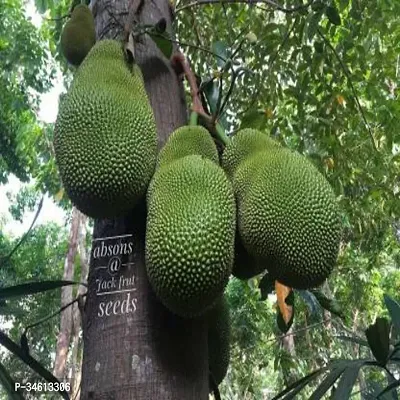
[350, 82]
[179, 60]
[272, 3]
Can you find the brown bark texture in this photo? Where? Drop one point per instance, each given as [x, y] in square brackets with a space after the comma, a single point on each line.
[133, 347]
[64, 335]
[76, 342]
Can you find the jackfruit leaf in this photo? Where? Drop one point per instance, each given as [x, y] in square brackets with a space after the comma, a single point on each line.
[285, 309]
[163, 42]
[30, 361]
[394, 385]
[347, 381]
[373, 390]
[220, 50]
[211, 92]
[311, 302]
[333, 15]
[328, 304]
[24, 343]
[328, 382]
[292, 390]
[266, 286]
[256, 119]
[317, 5]
[161, 25]
[8, 384]
[313, 23]
[394, 311]
[33, 287]
[378, 339]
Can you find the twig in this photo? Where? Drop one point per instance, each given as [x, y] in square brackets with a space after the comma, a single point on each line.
[178, 42]
[197, 106]
[271, 63]
[58, 18]
[59, 311]
[350, 82]
[26, 234]
[272, 3]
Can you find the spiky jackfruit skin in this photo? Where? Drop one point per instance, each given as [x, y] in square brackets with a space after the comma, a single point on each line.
[219, 339]
[245, 143]
[78, 35]
[190, 234]
[105, 135]
[185, 141]
[287, 216]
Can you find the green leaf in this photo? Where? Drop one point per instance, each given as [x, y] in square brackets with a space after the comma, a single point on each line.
[378, 339]
[333, 15]
[211, 92]
[327, 383]
[313, 24]
[266, 286]
[163, 42]
[394, 385]
[394, 310]
[30, 361]
[300, 383]
[328, 304]
[255, 119]
[33, 287]
[353, 339]
[347, 381]
[9, 385]
[220, 49]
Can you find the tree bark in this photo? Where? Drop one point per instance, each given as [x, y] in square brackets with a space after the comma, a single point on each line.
[140, 350]
[76, 348]
[64, 336]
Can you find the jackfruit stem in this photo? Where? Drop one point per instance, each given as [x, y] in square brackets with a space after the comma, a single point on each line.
[221, 135]
[193, 118]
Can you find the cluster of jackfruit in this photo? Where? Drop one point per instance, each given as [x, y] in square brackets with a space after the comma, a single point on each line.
[288, 220]
[78, 35]
[190, 224]
[105, 137]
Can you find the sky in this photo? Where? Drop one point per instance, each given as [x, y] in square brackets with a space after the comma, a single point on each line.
[47, 113]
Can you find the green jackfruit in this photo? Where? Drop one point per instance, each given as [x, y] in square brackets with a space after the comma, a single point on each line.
[245, 143]
[78, 35]
[219, 340]
[105, 135]
[190, 234]
[245, 266]
[287, 215]
[185, 141]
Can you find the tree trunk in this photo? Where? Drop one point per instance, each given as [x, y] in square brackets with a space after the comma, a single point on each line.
[133, 347]
[75, 373]
[64, 336]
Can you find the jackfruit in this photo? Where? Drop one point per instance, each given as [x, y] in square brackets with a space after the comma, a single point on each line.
[242, 145]
[245, 266]
[190, 234]
[105, 134]
[78, 35]
[287, 213]
[219, 340]
[185, 141]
